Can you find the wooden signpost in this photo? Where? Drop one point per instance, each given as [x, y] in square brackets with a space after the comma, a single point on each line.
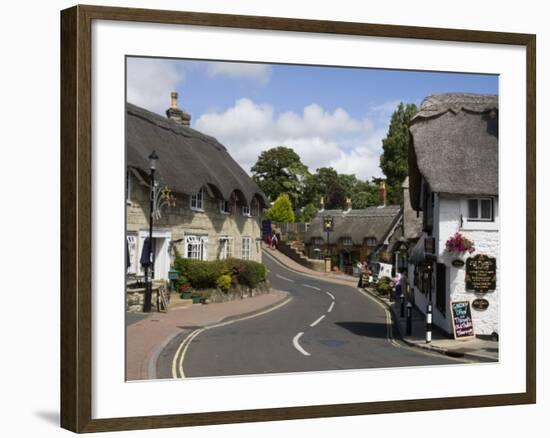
[463, 327]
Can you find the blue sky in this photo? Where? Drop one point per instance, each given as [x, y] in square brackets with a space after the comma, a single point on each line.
[331, 116]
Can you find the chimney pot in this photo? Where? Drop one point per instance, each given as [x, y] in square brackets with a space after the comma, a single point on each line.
[174, 113]
[382, 194]
[174, 99]
[348, 204]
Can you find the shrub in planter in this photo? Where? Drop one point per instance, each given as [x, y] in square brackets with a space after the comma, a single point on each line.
[384, 286]
[224, 282]
[185, 291]
[253, 274]
[201, 274]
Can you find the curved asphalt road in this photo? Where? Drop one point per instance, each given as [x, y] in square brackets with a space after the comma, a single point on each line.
[325, 326]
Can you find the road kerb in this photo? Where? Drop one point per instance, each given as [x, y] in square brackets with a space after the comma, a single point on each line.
[426, 347]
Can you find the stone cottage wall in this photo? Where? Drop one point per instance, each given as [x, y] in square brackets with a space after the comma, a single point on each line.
[181, 221]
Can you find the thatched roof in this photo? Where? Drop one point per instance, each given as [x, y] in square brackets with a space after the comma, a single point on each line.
[188, 159]
[412, 221]
[455, 145]
[357, 224]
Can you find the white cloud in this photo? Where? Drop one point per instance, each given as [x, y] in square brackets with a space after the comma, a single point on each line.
[150, 81]
[321, 138]
[259, 73]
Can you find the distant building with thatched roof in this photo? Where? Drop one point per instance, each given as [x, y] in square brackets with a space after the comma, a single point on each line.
[453, 181]
[217, 205]
[357, 234]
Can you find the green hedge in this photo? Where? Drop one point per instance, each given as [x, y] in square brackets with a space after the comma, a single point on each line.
[205, 274]
[384, 286]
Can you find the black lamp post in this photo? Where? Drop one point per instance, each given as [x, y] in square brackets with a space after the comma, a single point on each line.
[328, 225]
[153, 158]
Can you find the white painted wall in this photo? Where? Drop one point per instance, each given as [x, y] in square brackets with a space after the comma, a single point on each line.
[486, 239]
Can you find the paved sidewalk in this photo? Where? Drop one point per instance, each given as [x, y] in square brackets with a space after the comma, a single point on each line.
[145, 337]
[335, 277]
[479, 349]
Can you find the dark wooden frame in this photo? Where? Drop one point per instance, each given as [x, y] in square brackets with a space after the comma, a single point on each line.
[76, 176]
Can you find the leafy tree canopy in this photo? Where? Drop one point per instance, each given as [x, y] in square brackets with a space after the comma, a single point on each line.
[279, 170]
[394, 159]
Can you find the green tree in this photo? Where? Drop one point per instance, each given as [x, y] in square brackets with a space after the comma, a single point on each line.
[280, 170]
[329, 185]
[394, 159]
[281, 210]
[307, 213]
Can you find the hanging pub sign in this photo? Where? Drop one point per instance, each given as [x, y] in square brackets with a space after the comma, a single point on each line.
[457, 263]
[481, 273]
[463, 326]
[480, 304]
[328, 223]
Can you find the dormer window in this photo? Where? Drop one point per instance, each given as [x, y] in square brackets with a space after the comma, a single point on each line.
[197, 201]
[480, 209]
[370, 241]
[246, 210]
[225, 207]
[346, 241]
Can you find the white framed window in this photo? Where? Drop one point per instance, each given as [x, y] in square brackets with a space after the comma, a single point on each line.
[371, 241]
[225, 207]
[346, 241]
[246, 210]
[196, 247]
[226, 247]
[131, 241]
[317, 241]
[246, 247]
[480, 209]
[197, 201]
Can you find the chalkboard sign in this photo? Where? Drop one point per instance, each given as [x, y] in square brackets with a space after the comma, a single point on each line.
[481, 273]
[463, 326]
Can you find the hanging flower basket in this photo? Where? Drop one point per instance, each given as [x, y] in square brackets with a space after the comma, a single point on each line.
[458, 244]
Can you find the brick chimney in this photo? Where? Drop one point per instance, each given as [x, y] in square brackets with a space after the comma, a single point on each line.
[322, 204]
[174, 113]
[348, 205]
[382, 194]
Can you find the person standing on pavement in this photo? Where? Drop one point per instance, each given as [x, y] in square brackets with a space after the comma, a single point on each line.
[397, 282]
[360, 269]
[274, 241]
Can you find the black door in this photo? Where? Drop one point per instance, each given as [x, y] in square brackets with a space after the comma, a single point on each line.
[441, 288]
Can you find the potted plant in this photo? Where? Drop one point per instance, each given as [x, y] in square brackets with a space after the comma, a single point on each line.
[196, 297]
[458, 244]
[185, 291]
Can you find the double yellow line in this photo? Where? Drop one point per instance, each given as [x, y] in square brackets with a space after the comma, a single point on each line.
[177, 362]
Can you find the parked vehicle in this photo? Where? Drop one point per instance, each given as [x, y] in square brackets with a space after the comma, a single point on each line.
[379, 270]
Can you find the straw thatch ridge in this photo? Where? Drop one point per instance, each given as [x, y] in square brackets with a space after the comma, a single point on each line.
[188, 159]
[360, 224]
[454, 145]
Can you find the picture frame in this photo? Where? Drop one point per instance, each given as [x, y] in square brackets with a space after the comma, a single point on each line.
[77, 218]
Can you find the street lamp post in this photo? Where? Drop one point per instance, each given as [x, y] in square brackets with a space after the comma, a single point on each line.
[328, 225]
[153, 158]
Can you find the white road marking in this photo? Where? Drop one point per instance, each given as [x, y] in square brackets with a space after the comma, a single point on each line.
[284, 278]
[298, 346]
[330, 295]
[311, 287]
[177, 365]
[317, 321]
[331, 306]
